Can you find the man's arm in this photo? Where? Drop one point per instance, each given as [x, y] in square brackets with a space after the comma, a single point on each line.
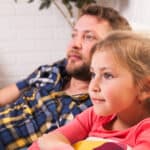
[39, 78]
[52, 140]
[9, 94]
[12, 92]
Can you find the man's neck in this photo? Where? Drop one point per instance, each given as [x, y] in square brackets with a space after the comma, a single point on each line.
[76, 86]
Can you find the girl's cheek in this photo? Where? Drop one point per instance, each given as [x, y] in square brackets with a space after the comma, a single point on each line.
[109, 93]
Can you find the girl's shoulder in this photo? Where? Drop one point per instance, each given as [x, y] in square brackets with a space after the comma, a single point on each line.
[144, 124]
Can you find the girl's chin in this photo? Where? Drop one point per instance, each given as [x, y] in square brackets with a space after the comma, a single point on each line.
[99, 112]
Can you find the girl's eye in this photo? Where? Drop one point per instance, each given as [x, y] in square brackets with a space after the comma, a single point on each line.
[92, 75]
[108, 75]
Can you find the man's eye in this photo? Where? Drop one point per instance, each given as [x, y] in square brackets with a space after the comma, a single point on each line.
[73, 35]
[89, 38]
[108, 75]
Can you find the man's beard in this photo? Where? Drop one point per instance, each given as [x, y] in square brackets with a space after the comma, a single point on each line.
[81, 73]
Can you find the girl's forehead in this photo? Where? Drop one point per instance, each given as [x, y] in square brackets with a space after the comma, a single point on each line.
[107, 59]
[108, 54]
[103, 55]
[103, 58]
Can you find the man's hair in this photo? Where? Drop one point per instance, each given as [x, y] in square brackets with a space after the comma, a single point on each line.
[116, 21]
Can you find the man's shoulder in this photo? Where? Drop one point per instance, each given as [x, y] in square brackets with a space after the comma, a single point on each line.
[59, 65]
[61, 62]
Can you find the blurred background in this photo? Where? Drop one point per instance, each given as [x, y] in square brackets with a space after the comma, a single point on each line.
[30, 37]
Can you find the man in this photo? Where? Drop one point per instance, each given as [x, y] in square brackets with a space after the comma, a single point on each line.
[53, 94]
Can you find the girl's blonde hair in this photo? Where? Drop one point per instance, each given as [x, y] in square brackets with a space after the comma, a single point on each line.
[131, 50]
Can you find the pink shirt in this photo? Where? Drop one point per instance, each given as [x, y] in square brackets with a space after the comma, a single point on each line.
[88, 124]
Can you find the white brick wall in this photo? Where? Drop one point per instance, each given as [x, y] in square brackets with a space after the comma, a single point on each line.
[29, 38]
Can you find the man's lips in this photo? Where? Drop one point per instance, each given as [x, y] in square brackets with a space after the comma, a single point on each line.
[74, 57]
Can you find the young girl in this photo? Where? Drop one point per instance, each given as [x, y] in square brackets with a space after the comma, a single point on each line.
[120, 93]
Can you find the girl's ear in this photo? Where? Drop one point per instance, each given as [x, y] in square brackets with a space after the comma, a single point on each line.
[144, 95]
[145, 90]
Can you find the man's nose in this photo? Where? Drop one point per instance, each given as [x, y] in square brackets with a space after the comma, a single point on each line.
[77, 43]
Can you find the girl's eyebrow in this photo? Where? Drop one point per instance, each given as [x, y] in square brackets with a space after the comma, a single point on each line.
[102, 69]
[99, 69]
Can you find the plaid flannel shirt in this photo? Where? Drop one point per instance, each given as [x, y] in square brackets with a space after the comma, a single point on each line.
[40, 109]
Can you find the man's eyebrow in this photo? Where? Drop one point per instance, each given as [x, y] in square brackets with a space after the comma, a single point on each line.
[86, 31]
[74, 29]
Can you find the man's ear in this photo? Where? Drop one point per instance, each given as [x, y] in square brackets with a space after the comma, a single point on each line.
[145, 90]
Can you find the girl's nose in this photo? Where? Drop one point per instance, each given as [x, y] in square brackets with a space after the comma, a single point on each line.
[95, 86]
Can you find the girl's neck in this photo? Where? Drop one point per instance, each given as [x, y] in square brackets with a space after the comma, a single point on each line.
[126, 120]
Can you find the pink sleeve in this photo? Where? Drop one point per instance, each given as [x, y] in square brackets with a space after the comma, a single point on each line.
[34, 146]
[143, 139]
[79, 128]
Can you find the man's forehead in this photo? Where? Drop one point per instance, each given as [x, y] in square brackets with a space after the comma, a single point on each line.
[86, 20]
[89, 22]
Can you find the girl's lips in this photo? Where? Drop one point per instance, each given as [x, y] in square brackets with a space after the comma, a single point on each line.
[97, 100]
